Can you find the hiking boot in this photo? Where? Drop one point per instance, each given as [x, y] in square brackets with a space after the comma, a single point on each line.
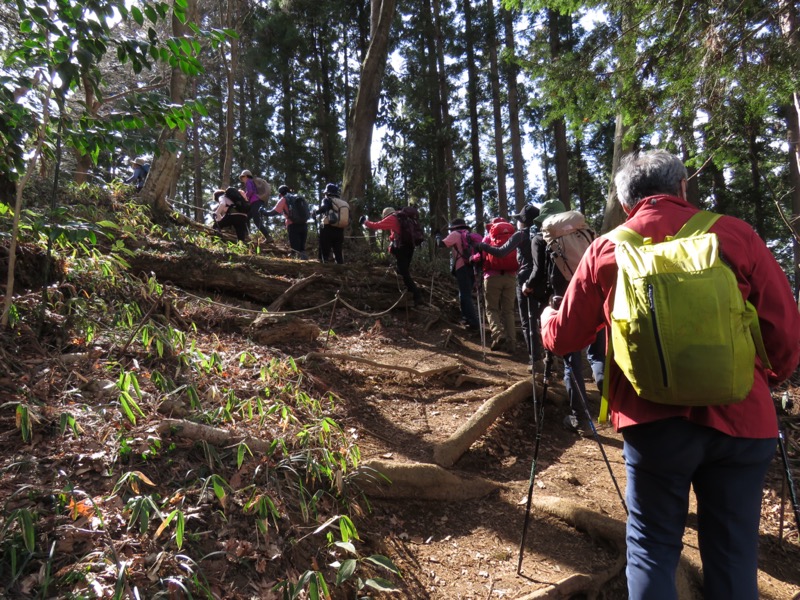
[582, 427]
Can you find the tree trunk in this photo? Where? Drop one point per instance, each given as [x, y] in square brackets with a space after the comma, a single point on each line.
[328, 126]
[231, 22]
[474, 125]
[793, 126]
[83, 160]
[365, 109]
[559, 125]
[788, 24]
[197, 165]
[164, 170]
[447, 128]
[497, 111]
[513, 115]
[614, 214]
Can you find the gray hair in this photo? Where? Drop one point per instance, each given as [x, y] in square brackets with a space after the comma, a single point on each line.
[644, 174]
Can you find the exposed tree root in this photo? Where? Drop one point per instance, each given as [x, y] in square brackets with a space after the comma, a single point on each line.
[420, 481]
[448, 452]
[439, 371]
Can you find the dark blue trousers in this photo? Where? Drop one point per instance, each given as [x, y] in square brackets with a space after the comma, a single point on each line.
[663, 459]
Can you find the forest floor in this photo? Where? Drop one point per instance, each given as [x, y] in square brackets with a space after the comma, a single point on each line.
[87, 529]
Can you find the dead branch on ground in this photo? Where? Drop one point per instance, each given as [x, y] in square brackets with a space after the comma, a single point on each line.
[293, 290]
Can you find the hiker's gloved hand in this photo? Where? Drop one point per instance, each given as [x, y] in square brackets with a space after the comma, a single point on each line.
[526, 291]
[362, 219]
[476, 258]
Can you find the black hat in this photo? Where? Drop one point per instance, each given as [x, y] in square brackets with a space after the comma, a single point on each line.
[332, 190]
[527, 215]
[283, 190]
[458, 224]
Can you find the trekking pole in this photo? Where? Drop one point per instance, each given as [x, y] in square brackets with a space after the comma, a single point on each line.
[533, 369]
[785, 405]
[789, 478]
[596, 436]
[478, 289]
[538, 411]
[433, 275]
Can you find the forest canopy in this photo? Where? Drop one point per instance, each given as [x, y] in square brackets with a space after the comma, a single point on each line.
[482, 106]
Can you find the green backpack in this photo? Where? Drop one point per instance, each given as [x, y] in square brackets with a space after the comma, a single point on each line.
[680, 330]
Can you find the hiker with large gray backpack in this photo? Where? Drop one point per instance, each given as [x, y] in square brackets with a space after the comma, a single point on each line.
[335, 219]
[702, 322]
[556, 252]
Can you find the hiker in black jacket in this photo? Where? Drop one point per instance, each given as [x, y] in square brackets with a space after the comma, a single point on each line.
[528, 306]
[546, 281]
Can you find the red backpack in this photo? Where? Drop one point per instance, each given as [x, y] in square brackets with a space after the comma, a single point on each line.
[498, 235]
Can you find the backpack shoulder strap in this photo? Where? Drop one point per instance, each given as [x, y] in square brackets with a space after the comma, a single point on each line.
[699, 223]
[624, 234]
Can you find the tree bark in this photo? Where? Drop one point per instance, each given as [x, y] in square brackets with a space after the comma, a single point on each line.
[231, 22]
[559, 125]
[197, 166]
[164, 169]
[497, 111]
[614, 215]
[447, 128]
[358, 162]
[474, 125]
[513, 115]
[788, 24]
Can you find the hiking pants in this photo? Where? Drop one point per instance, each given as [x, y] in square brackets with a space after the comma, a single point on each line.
[331, 239]
[258, 218]
[466, 282]
[298, 232]
[499, 293]
[573, 363]
[596, 353]
[663, 459]
[529, 311]
[403, 256]
[236, 220]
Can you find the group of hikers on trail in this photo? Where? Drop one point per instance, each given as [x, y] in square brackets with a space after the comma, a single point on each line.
[237, 207]
[687, 321]
[517, 265]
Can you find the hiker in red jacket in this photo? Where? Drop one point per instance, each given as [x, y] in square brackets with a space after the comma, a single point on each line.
[722, 451]
[403, 253]
[499, 284]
